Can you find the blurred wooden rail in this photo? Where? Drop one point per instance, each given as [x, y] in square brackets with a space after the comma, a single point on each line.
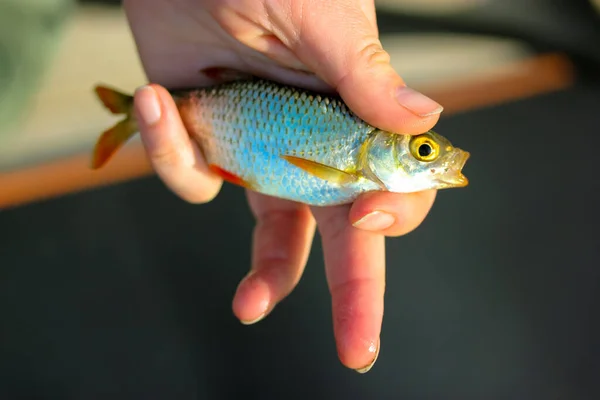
[510, 82]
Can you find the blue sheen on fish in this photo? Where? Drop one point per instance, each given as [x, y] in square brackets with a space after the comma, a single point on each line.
[297, 144]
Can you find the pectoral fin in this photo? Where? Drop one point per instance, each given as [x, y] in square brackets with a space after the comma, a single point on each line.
[321, 171]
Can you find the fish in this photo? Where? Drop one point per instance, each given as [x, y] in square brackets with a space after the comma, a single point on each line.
[295, 144]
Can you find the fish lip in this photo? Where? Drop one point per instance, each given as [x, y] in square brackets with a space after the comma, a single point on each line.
[461, 180]
[461, 158]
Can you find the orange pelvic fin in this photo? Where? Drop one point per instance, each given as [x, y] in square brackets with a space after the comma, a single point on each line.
[114, 138]
[322, 171]
[229, 177]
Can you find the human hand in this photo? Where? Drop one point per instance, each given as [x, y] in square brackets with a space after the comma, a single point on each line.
[310, 43]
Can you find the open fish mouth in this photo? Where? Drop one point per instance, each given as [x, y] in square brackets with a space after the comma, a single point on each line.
[456, 178]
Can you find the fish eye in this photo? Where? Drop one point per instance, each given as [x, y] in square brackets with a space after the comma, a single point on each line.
[424, 148]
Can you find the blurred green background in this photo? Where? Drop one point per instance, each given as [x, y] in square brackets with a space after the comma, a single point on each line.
[30, 33]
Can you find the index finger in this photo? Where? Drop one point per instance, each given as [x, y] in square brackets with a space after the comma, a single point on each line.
[353, 61]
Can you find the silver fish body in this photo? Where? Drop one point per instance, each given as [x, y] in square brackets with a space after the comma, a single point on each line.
[252, 129]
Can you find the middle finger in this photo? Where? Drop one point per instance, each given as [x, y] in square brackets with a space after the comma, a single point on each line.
[355, 266]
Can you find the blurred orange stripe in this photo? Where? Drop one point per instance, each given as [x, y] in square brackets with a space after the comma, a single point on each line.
[508, 83]
[531, 77]
[69, 175]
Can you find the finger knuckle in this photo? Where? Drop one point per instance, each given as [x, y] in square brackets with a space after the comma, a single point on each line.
[163, 157]
[371, 52]
[333, 228]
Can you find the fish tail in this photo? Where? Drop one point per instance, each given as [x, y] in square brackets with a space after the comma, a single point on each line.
[114, 138]
[115, 101]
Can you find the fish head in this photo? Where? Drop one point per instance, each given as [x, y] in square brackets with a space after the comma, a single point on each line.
[412, 163]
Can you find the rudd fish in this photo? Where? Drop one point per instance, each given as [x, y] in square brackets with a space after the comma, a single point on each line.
[296, 144]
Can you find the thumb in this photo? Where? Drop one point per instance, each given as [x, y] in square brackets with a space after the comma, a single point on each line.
[340, 42]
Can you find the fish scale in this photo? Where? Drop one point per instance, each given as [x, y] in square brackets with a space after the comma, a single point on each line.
[270, 122]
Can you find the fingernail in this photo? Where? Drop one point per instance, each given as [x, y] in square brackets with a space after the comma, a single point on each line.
[148, 105]
[264, 305]
[375, 221]
[366, 369]
[260, 317]
[417, 103]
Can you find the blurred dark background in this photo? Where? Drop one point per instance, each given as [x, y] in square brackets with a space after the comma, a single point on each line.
[125, 291]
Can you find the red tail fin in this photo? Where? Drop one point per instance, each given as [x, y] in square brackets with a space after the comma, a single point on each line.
[114, 138]
[115, 101]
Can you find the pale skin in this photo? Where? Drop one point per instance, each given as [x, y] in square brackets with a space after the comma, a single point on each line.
[331, 45]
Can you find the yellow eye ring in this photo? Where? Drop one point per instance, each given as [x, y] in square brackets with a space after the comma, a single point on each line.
[424, 148]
